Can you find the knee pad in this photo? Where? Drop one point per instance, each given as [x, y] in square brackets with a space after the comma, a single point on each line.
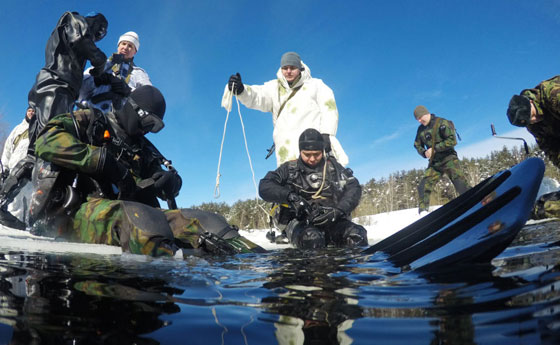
[311, 238]
[356, 237]
[145, 230]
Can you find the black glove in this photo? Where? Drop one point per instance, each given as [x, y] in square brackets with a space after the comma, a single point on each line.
[97, 72]
[235, 84]
[117, 58]
[324, 215]
[327, 141]
[119, 86]
[120, 176]
[22, 170]
[103, 79]
[299, 205]
[167, 184]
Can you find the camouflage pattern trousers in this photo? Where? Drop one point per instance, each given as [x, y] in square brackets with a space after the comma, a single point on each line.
[450, 167]
[547, 206]
[140, 229]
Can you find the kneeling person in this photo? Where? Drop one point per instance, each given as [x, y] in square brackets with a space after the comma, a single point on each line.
[98, 180]
[320, 193]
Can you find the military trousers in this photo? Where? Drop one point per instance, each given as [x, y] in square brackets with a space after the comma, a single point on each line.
[450, 167]
[140, 229]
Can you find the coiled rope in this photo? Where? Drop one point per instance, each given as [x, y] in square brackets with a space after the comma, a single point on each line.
[218, 175]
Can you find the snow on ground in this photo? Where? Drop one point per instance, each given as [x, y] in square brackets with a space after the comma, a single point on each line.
[14, 240]
[378, 226]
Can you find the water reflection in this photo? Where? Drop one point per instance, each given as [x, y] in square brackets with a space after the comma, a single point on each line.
[283, 297]
[71, 300]
[315, 301]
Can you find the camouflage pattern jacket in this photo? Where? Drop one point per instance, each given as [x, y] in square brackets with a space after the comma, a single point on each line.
[443, 143]
[546, 98]
[341, 189]
[82, 152]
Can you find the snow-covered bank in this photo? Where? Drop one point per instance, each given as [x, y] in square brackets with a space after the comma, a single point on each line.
[18, 240]
[378, 226]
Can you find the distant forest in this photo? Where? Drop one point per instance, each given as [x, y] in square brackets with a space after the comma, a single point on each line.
[396, 192]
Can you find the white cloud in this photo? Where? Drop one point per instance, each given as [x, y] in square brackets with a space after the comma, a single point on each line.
[386, 138]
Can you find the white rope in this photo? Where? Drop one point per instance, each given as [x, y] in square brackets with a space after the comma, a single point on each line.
[218, 175]
[247, 149]
[217, 188]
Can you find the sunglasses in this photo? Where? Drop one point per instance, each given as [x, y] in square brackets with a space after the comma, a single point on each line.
[149, 122]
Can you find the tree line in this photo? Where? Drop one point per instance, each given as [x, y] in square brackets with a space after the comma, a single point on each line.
[396, 192]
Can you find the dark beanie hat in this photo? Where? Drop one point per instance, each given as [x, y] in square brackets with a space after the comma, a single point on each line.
[149, 99]
[311, 140]
[519, 111]
[420, 111]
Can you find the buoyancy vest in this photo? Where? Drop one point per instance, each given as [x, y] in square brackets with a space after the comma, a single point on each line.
[307, 181]
[438, 130]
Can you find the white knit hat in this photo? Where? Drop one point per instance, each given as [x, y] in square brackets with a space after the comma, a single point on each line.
[131, 37]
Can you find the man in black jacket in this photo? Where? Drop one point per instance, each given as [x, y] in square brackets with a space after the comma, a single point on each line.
[320, 194]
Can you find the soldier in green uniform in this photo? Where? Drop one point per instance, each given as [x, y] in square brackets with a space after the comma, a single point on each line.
[98, 179]
[435, 141]
[538, 109]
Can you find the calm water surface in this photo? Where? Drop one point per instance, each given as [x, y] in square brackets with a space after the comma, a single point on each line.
[282, 297]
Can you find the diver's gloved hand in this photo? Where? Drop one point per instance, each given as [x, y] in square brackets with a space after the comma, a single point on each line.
[120, 176]
[102, 79]
[97, 72]
[22, 170]
[325, 215]
[119, 86]
[167, 184]
[235, 84]
[299, 205]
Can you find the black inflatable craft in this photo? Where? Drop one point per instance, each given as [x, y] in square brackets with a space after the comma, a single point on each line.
[473, 228]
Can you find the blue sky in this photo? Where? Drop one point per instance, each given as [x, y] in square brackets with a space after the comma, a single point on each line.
[463, 60]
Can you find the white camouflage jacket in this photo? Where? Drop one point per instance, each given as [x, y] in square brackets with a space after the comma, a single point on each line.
[313, 106]
[15, 147]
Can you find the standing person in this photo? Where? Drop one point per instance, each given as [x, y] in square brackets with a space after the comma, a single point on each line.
[297, 101]
[538, 109]
[57, 86]
[121, 76]
[99, 178]
[17, 167]
[15, 148]
[435, 141]
[321, 193]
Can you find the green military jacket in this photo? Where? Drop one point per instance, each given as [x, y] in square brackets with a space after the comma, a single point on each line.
[441, 139]
[77, 146]
[546, 98]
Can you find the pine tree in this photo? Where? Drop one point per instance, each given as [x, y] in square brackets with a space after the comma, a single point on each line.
[396, 192]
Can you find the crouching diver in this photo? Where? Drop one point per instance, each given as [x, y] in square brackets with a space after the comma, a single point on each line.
[98, 179]
[320, 194]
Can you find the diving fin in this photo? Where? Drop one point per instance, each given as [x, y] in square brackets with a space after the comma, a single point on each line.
[475, 227]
